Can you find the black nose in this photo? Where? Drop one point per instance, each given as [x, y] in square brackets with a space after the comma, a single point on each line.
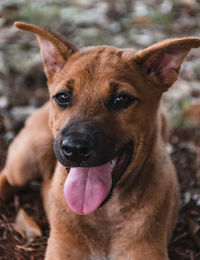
[77, 149]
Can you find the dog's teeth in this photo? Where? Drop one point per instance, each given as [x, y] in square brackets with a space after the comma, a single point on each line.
[113, 163]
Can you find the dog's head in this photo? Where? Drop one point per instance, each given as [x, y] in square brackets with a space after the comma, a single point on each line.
[104, 109]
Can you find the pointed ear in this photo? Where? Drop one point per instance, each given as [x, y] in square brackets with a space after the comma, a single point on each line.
[161, 62]
[55, 49]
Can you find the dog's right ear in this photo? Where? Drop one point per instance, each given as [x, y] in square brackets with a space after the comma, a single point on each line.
[161, 62]
[55, 49]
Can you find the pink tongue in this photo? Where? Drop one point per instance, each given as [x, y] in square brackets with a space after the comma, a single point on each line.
[86, 188]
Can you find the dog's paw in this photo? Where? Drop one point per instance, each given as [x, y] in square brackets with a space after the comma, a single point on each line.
[6, 190]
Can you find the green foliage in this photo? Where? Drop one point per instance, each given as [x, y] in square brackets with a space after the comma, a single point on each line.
[176, 114]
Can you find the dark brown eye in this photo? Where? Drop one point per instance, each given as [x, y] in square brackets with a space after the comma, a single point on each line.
[122, 101]
[63, 99]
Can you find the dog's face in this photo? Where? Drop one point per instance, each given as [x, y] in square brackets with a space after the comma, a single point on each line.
[97, 106]
[104, 105]
[93, 121]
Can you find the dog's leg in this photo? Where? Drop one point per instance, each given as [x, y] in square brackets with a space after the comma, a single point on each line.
[62, 247]
[143, 253]
[30, 155]
[61, 244]
[6, 190]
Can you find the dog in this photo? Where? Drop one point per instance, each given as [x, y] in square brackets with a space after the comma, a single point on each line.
[109, 187]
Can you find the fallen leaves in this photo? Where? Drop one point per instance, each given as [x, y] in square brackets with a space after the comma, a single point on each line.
[192, 114]
[26, 226]
[194, 230]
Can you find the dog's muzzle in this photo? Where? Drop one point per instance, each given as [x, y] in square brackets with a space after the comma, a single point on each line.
[95, 163]
[84, 144]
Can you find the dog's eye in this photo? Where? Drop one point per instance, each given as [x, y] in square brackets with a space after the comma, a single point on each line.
[122, 101]
[63, 99]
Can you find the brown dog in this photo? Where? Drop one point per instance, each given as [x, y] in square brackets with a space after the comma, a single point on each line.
[113, 193]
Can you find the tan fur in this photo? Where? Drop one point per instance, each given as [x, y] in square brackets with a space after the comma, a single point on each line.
[137, 222]
[35, 152]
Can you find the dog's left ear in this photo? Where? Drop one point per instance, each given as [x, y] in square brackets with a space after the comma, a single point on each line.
[161, 62]
[55, 48]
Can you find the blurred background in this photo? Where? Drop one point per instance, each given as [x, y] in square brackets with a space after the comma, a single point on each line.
[122, 23]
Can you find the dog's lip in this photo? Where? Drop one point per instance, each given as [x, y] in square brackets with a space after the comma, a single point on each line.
[120, 161]
[120, 164]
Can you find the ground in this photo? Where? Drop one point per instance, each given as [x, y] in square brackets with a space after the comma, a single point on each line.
[23, 89]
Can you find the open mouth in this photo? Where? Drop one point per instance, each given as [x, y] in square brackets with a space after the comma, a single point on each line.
[86, 189]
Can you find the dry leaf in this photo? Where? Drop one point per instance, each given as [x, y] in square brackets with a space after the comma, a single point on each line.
[192, 114]
[26, 226]
[194, 230]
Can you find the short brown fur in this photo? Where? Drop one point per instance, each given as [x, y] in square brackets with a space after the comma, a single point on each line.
[138, 219]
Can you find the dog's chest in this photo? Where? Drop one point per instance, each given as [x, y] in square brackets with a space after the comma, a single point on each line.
[104, 238]
[109, 257]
